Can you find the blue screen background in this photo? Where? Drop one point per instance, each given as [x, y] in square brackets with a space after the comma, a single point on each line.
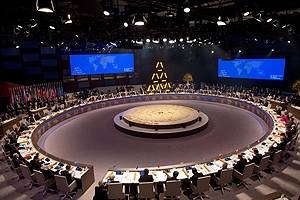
[265, 69]
[85, 64]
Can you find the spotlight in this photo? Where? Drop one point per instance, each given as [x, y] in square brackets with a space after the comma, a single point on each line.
[169, 14]
[212, 51]
[69, 20]
[155, 40]
[148, 40]
[223, 20]
[126, 24]
[181, 40]
[240, 51]
[165, 39]
[51, 27]
[272, 49]
[186, 6]
[139, 19]
[45, 6]
[106, 13]
[289, 41]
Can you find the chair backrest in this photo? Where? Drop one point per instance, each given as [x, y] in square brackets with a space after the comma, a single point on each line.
[61, 183]
[203, 184]
[226, 176]
[40, 178]
[286, 148]
[173, 188]
[276, 157]
[115, 191]
[263, 163]
[26, 172]
[248, 170]
[146, 190]
[293, 141]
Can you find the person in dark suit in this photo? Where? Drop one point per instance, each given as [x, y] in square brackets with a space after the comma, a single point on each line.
[146, 177]
[240, 165]
[67, 174]
[195, 176]
[35, 164]
[45, 169]
[32, 119]
[174, 177]
[256, 158]
[100, 191]
[16, 160]
[224, 166]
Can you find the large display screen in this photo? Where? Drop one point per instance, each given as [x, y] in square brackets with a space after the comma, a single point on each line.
[84, 64]
[265, 69]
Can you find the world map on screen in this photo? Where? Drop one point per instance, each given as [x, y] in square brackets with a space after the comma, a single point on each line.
[101, 63]
[268, 69]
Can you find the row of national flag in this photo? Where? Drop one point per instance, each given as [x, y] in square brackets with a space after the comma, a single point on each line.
[29, 93]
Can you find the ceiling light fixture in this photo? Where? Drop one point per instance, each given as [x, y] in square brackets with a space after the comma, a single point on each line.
[186, 6]
[45, 6]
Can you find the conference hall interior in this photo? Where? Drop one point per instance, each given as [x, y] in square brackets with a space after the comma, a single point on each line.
[146, 99]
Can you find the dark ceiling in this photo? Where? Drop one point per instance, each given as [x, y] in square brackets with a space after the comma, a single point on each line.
[91, 25]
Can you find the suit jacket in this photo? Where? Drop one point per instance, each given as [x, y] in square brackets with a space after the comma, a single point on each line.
[146, 178]
[48, 174]
[195, 177]
[68, 175]
[100, 193]
[240, 165]
[171, 178]
[34, 165]
[256, 159]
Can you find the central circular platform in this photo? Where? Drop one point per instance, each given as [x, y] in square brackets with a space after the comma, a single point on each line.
[161, 121]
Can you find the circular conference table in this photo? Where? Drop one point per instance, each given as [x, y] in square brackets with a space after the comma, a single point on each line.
[87, 178]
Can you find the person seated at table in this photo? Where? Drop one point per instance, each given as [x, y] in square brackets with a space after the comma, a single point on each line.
[174, 177]
[37, 116]
[284, 118]
[17, 161]
[68, 174]
[278, 109]
[195, 176]
[35, 164]
[5, 117]
[224, 166]
[101, 191]
[56, 109]
[240, 164]
[23, 127]
[146, 177]
[256, 158]
[32, 118]
[45, 169]
[111, 179]
[7, 145]
[281, 145]
[12, 137]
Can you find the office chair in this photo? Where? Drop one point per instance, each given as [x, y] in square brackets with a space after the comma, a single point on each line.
[225, 178]
[62, 185]
[41, 180]
[27, 174]
[115, 191]
[262, 166]
[247, 173]
[172, 189]
[146, 190]
[202, 186]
